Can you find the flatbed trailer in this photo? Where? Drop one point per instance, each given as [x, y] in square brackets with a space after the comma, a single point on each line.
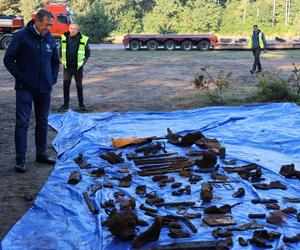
[170, 41]
[201, 42]
[271, 45]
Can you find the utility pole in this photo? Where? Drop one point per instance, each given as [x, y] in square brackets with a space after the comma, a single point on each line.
[245, 10]
[287, 11]
[274, 12]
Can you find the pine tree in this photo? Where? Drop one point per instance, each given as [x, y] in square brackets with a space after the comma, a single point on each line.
[164, 18]
[205, 15]
[232, 19]
[95, 23]
[9, 7]
[28, 7]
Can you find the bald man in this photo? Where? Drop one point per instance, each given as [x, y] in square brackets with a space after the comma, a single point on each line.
[75, 52]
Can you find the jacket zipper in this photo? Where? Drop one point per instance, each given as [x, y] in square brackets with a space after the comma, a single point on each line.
[40, 51]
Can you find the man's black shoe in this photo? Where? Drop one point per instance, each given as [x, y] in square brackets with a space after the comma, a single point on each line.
[252, 71]
[63, 108]
[258, 71]
[81, 108]
[20, 166]
[45, 159]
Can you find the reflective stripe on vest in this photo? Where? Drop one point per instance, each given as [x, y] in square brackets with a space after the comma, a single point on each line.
[64, 50]
[80, 53]
[260, 40]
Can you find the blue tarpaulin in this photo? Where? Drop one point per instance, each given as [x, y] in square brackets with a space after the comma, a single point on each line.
[268, 135]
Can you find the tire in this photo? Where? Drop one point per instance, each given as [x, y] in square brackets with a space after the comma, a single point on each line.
[58, 43]
[6, 40]
[204, 45]
[134, 45]
[152, 45]
[187, 45]
[170, 45]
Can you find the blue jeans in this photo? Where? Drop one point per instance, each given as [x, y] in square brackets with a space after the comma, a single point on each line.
[41, 102]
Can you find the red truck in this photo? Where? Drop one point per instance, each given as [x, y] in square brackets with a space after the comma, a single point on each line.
[11, 23]
[8, 24]
[170, 41]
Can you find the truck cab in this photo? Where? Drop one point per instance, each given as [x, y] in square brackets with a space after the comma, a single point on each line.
[62, 19]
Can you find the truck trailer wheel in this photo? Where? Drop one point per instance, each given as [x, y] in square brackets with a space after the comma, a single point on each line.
[6, 40]
[152, 45]
[170, 45]
[204, 45]
[134, 45]
[187, 45]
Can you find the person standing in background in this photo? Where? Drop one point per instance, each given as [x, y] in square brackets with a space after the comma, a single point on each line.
[257, 43]
[75, 52]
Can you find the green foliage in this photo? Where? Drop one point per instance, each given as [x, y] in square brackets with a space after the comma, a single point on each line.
[28, 7]
[126, 14]
[213, 88]
[9, 7]
[80, 7]
[164, 18]
[233, 11]
[272, 87]
[95, 17]
[129, 23]
[239, 16]
[225, 17]
[205, 15]
[295, 80]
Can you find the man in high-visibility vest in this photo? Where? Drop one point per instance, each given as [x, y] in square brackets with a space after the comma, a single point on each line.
[75, 52]
[257, 43]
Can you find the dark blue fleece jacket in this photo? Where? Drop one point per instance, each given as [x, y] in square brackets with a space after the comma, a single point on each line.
[33, 60]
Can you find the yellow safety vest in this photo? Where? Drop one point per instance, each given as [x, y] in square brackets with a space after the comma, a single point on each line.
[261, 42]
[80, 53]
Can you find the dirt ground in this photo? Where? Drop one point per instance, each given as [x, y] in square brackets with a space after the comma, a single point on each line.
[122, 81]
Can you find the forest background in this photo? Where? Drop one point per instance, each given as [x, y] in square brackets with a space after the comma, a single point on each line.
[102, 20]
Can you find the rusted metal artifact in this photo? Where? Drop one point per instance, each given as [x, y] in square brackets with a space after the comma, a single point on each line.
[74, 178]
[90, 203]
[150, 235]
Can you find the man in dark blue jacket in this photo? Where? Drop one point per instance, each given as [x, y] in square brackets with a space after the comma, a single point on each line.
[32, 58]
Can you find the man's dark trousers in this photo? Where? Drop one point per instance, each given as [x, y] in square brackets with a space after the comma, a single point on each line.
[41, 102]
[78, 75]
[256, 54]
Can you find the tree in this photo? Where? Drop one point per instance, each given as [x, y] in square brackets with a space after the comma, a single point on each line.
[232, 19]
[164, 18]
[95, 23]
[295, 11]
[28, 7]
[80, 7]
[127, 15]
[129, 23]
[262, 13]
[205, 15]
[9, 7]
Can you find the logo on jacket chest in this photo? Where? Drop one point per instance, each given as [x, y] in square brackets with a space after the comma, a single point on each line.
[48, 47]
